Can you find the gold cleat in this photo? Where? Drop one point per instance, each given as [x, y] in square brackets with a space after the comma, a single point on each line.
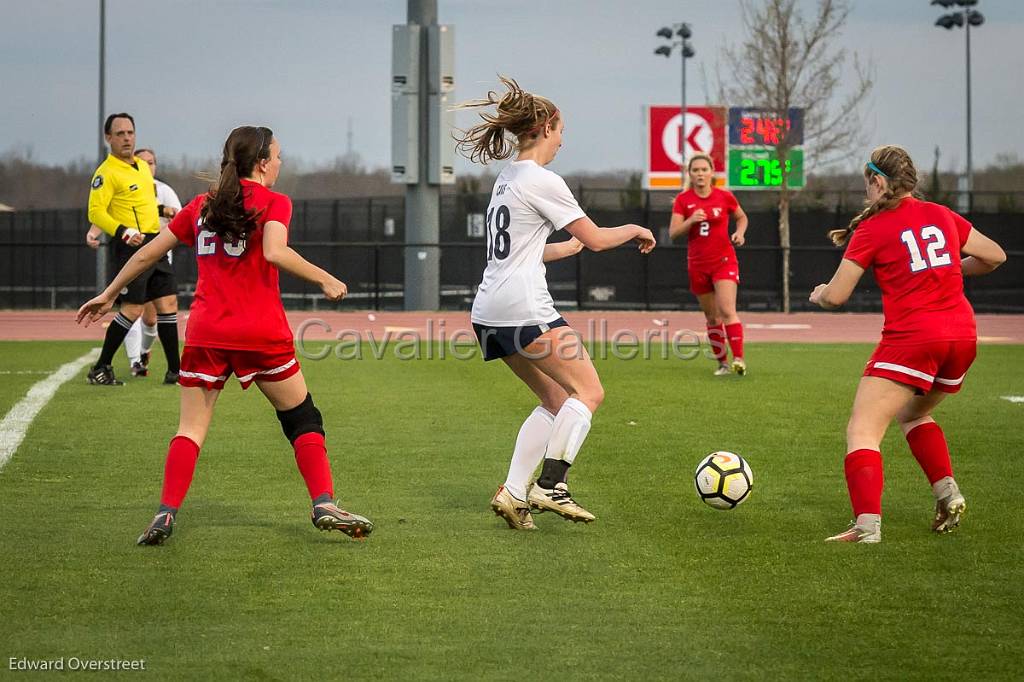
[723, 370]
[948, 511]
[856, 533]
[515, 512]
[738, 366]
[559, 501]
[329, 516]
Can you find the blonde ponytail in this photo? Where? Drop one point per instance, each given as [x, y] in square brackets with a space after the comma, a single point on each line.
[519, 113]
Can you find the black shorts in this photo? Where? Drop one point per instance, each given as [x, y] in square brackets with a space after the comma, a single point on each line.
[501, 342]
[154, 283]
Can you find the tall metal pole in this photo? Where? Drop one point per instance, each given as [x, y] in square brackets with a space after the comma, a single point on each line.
[682, 123]
[101, 252]
[970, 165]
[423, 200]
[103, 68]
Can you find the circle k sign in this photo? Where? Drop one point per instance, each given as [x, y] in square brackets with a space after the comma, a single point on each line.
[704, 133]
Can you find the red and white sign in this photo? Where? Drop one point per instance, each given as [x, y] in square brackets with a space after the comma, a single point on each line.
[705, 132]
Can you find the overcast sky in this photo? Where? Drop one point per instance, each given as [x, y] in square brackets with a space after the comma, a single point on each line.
[190, 70]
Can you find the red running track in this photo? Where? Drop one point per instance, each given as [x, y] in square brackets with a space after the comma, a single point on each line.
[820, 327]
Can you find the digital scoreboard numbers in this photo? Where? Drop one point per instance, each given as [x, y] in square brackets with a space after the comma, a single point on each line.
[753, 168]
[764, 128]
[753, 136]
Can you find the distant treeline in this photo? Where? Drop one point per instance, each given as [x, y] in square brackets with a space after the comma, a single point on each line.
[26, 184]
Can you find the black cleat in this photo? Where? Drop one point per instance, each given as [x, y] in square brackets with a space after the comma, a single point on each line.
[139, 370]
[144, 359]
[103, 376]
[159, 530]
[171, 378]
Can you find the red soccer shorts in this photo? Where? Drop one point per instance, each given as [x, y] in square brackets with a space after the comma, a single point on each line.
[939, 364]
[209, 368]
[703, 277]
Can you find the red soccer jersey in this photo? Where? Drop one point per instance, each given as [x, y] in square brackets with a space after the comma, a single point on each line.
[915, 252]
[708, 241]
[237, 304]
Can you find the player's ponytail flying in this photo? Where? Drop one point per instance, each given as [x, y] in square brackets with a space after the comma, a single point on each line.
[224, 210]
[895, 165]
[520, 113]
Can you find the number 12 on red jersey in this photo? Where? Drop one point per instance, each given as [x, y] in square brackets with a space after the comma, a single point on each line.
[935, 248]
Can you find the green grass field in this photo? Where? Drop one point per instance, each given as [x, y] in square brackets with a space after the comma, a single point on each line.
[660, 587]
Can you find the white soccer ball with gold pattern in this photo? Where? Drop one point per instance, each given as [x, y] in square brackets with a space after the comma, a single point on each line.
[723, 480]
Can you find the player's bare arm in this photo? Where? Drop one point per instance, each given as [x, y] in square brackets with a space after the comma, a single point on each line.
[983, 255]
[141, 260]
[603, 238]
[739, 236]
[560, 250]
[838, 290]
[279, 254]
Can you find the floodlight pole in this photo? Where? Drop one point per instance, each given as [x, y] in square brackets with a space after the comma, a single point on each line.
[970, 165]
[103, 68]
[685, 51]
[964, 18]
[682, 125]
[101, 252]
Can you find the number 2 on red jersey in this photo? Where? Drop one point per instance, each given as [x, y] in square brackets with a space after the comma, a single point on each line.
[934, 242]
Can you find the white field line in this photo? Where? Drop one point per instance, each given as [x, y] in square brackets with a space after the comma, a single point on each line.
[1014, 398]
[17, 421]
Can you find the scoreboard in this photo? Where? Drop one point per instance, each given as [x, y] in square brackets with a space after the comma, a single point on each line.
[742, 142]
[759, 168]
[753, 135]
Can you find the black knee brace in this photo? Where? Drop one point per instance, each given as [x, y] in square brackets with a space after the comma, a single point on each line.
[303, 418]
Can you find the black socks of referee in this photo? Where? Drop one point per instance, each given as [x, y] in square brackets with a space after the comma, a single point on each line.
[116, 332]
[167, 330]
[553, 473]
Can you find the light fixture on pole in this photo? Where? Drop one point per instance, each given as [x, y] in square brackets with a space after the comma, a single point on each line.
[964, 18]
[683, 33]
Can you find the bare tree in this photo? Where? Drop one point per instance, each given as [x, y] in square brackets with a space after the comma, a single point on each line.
[788, 60]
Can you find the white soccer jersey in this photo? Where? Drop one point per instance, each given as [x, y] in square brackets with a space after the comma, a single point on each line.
[528, 203]
[165, 196]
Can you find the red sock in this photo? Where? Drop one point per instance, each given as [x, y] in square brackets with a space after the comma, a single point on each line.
[864, 479]
[928, 444]
[181, 464]
[734, 332]
[311, 456]
[716, 339]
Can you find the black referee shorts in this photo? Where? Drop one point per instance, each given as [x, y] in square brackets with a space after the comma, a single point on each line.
[152, 284]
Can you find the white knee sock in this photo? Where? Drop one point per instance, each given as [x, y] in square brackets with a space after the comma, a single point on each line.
[572, 424]
[530, 445]
[148, 337]
[133, 342]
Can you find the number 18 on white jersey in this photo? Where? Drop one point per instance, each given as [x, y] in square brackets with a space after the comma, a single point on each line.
[528, 203]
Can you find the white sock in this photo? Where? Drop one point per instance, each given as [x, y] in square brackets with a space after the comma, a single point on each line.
[148, 337]
[945, 487]
[869, 521]
[133, 342]
[572, 424]
[530, 445]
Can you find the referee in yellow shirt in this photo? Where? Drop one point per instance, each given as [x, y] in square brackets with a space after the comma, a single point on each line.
[123, 204]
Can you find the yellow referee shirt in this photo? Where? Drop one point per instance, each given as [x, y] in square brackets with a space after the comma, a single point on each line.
[123, 194]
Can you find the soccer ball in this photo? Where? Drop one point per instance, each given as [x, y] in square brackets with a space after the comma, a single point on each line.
[723, 480]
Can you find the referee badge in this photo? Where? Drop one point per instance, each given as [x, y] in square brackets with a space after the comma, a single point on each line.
[97, 182]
